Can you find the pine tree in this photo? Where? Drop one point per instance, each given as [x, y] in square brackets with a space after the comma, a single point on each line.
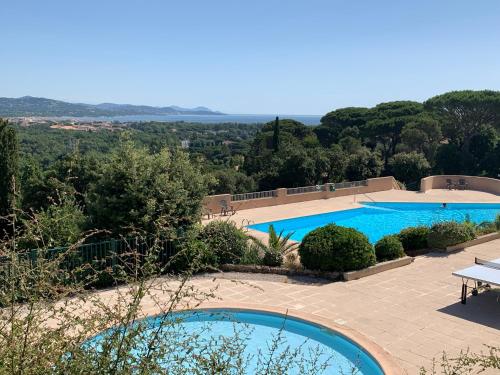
[276, 135]
[8, 168]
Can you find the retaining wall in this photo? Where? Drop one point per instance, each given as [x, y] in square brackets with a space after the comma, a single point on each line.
[212, 202]
[486, 184]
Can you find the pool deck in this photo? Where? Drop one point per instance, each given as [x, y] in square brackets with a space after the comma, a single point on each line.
[413, 312]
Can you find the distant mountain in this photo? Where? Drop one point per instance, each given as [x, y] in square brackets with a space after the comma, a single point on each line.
[32, 106]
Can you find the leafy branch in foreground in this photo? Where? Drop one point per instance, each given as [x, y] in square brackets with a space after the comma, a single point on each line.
[465, 363]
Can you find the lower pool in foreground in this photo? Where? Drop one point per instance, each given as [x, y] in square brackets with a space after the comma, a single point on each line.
[302, 341]
[377, 219]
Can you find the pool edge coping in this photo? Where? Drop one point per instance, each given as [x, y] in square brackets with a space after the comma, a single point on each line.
[384, 359]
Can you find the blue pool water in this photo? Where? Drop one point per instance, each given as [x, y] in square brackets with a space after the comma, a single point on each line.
[259, 329]
[378, 219]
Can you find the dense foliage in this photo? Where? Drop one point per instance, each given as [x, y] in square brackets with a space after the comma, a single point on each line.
[389, 248]
[8, 170]
[336, 248]
[453, 133]
[449, 233]
[138, 189]
[225, 240]
[414, 238]
[121, 184]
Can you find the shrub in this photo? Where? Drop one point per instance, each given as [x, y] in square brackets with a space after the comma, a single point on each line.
[409, 167]
[278, 245]
[414, 238]
[192, 254]
[227, 242]
[388, 248]
[486, 227]
[449, 233]
[251, 256]
[335, 248]
[272, 258]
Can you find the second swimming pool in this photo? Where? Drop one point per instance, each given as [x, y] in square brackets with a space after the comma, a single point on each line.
[377, 219]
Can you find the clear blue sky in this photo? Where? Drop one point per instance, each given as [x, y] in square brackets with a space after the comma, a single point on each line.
[258, 56]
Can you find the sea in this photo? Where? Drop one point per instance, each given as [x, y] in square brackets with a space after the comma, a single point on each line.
[206, 119]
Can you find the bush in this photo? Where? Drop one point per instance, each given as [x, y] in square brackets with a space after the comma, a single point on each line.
[272, 258]
[449, 233]
[486, 227]
[251, 256]
[389, 248]
[409, 167]
[335, 248]
[227, 242]
[414, 238]
[192, 254]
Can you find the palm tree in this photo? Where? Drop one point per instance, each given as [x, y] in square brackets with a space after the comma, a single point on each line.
[277, 247]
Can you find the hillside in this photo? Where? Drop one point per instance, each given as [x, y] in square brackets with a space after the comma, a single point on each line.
[32, 106]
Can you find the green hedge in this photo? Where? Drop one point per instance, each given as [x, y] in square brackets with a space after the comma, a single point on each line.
[389, 248]
[450, 233]
[227, 242]
[336, 248]
[414, 238]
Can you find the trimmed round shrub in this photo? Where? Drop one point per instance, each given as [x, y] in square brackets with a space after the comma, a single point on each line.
[389, 248]
[414, 238]
[336, 248]
[227, 242]
[449, 233]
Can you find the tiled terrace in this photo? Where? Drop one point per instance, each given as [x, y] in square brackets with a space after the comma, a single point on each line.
[413, 312]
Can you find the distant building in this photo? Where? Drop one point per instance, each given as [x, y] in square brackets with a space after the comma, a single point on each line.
[185, 143]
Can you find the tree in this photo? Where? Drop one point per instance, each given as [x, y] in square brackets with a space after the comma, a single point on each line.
[334, 122]
[449, 159]
[388, 122]
[464, 113]
[149, 192]
[482, 143]
[362, 165]
[229, 181]
[276, 135]
[295, 128]
[491, 162]
[422, 135]
[338, 163]
[298, 169]
[8, 168]
[350, 144]
[409, 167]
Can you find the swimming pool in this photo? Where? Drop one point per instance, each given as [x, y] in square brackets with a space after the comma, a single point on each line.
[299, 338]
[377, 219]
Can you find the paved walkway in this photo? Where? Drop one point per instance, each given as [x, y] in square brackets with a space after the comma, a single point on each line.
[413, 312]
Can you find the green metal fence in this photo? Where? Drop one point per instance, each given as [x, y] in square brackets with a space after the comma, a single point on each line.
[131, 252]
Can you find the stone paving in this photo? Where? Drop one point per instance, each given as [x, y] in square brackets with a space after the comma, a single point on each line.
[413, 312]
